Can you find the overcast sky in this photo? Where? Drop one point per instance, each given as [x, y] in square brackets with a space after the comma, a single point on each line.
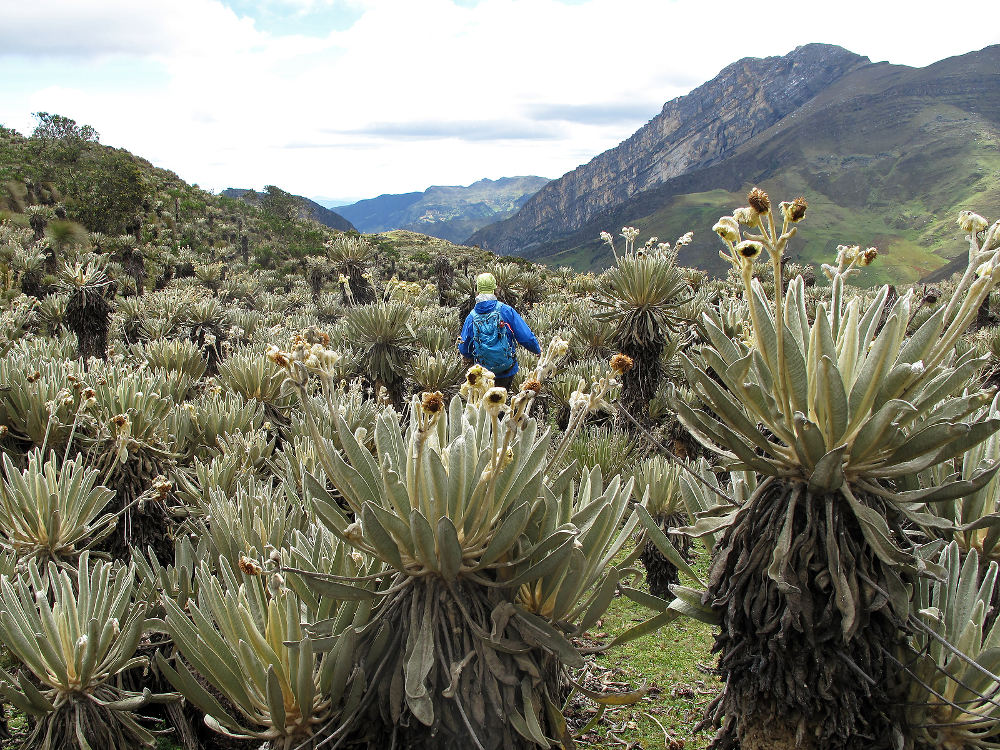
[352, 98]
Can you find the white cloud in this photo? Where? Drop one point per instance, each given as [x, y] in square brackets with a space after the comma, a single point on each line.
[413, 93]
[77, 29]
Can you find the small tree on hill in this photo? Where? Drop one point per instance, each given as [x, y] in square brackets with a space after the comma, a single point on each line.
[59, 127]
[60, 140]
[277, 202]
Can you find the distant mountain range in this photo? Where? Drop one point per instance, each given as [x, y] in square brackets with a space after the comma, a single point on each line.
[885, 154]
[449, 212]
[306, 208]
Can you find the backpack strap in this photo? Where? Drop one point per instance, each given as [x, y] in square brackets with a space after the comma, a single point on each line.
[503, 323]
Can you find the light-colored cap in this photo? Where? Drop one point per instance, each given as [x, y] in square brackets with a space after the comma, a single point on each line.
[485, 283]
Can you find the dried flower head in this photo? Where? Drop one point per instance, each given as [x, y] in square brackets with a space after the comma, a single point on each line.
[759, 201]
[621, 363]
[119, 420]
[34, 376]
[250, 567]
[162, 486]
[728, 229]
[277, 356]
[745, 215]
[432, 403]
[474, 373]
[865, 257]
[749, 249]
[794, 211]
[495, 400]
[3, 430]
[971, 222]
[531, 385]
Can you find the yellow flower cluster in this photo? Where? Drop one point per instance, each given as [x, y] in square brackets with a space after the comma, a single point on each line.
[743, 251]
[849, 257]
[306, 358]
[478, 380]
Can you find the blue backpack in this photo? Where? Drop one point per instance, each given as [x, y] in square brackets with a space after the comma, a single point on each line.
[493, 341]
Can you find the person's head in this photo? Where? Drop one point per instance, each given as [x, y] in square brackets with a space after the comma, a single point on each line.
[486, 283]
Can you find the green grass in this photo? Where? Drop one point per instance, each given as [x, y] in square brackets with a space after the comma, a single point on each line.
[674, 663]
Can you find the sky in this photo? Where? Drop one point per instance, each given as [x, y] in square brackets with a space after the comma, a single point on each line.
[349, 99]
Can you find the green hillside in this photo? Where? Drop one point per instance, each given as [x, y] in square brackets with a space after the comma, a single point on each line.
[114, 192]
[63, 173]
[903, 201]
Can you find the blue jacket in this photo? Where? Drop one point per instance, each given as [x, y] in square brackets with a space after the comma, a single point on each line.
[522, 334]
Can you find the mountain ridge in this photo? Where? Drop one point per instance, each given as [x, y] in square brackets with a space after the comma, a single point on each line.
[892, 150]
[450, 212]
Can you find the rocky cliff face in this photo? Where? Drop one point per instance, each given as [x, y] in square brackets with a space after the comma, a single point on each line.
[690, 133]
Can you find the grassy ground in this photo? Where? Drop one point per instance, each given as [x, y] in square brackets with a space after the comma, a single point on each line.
[674, 663]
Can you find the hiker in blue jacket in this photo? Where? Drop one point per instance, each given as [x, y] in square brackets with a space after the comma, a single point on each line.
[492, 332]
